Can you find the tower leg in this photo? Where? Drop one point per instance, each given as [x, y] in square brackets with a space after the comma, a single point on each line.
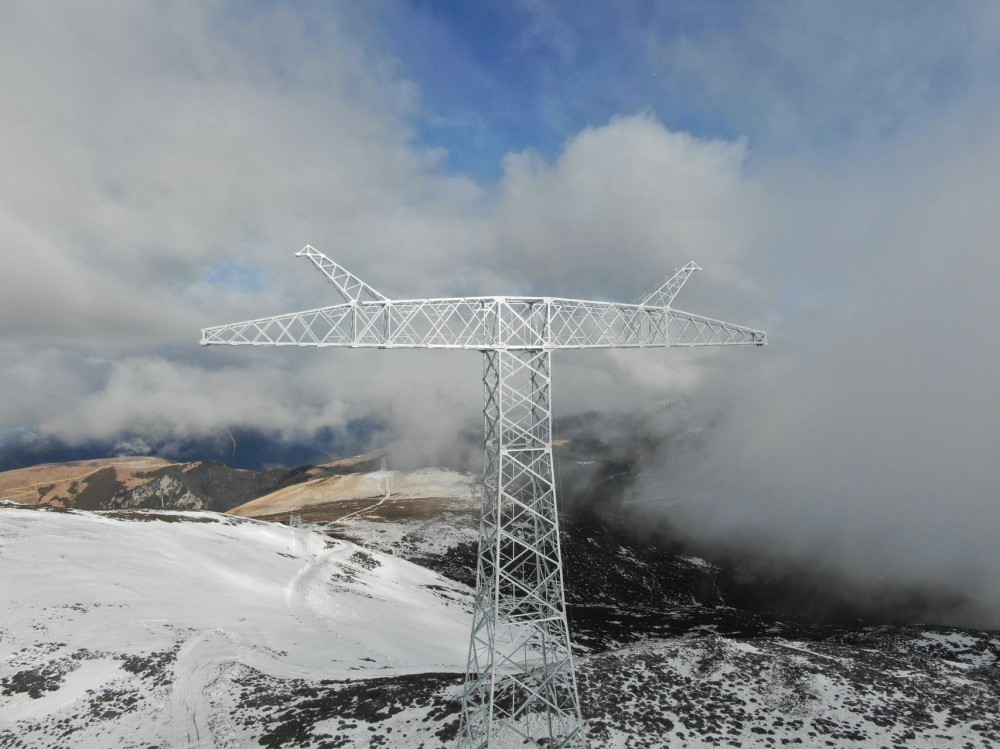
[520, 688]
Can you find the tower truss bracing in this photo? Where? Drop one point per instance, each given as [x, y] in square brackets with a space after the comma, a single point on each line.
[520, 687]
[520, 683]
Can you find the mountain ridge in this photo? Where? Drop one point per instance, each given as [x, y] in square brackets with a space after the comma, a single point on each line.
[142, 482]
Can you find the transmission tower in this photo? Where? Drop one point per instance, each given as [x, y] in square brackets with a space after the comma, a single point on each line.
[520, 687]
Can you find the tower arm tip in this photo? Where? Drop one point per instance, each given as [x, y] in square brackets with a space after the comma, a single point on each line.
[352, 288]
[663, 295]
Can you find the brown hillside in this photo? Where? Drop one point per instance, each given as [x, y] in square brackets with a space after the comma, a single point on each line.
[62, 484]
[147, 483]
[379, 494]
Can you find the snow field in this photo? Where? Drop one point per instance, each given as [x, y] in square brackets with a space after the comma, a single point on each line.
[155, 612]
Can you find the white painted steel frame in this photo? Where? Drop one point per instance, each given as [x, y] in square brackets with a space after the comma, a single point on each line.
[352, 288]
[663, 295]
[482, 323]
[520, 685]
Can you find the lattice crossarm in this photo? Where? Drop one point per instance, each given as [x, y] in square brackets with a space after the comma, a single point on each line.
[326, 326]
[470, 323]
[352, 288]
[484, 323]
[574, 323]
[687, 329]
[663, 295]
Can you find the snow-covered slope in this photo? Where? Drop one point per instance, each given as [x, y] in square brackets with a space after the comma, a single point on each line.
[119, 632]
[881, 687]
[203, 630]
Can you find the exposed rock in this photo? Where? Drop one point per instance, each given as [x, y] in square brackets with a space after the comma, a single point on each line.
[164, 493]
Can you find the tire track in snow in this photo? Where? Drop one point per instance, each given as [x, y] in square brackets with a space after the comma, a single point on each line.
[306, 590]
[340, 612]
[386, 477]
[197, 665]
[200, 664]
[202, 658]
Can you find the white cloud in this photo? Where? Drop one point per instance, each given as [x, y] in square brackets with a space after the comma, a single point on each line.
[864, 438]
[147, 146]
[157, 145]
[624, 204]
[813, 75]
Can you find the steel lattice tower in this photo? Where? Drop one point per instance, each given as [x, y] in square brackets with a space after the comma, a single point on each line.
[520, 687]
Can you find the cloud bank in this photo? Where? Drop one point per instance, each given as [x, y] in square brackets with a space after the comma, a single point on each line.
[161, 163]
[865, 439]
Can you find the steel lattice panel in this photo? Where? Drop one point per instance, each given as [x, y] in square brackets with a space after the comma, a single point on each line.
[520, 684]
[486, 323]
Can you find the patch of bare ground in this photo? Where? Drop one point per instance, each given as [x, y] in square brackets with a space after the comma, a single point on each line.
[138, 483]
[371, 508]
[333, 497]
[327, 512]
[321, 491]
[423, 508]
[290, 713]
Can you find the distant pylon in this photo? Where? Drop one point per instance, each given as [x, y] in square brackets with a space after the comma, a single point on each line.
[520, 687]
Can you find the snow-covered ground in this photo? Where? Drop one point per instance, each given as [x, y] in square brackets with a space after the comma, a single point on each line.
[871, 691]
[118, 632]
[173, 629]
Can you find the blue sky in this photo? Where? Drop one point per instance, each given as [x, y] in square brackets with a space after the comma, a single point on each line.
[496, 78]
[500, 77]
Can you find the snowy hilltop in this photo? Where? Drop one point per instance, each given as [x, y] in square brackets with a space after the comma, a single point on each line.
[183, 629]
[195, 629]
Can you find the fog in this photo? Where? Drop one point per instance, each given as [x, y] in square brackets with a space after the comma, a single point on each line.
[863, 440]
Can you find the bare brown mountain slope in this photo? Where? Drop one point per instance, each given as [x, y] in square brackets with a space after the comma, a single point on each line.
[61, 484]
[144, 482]
[381, 494]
